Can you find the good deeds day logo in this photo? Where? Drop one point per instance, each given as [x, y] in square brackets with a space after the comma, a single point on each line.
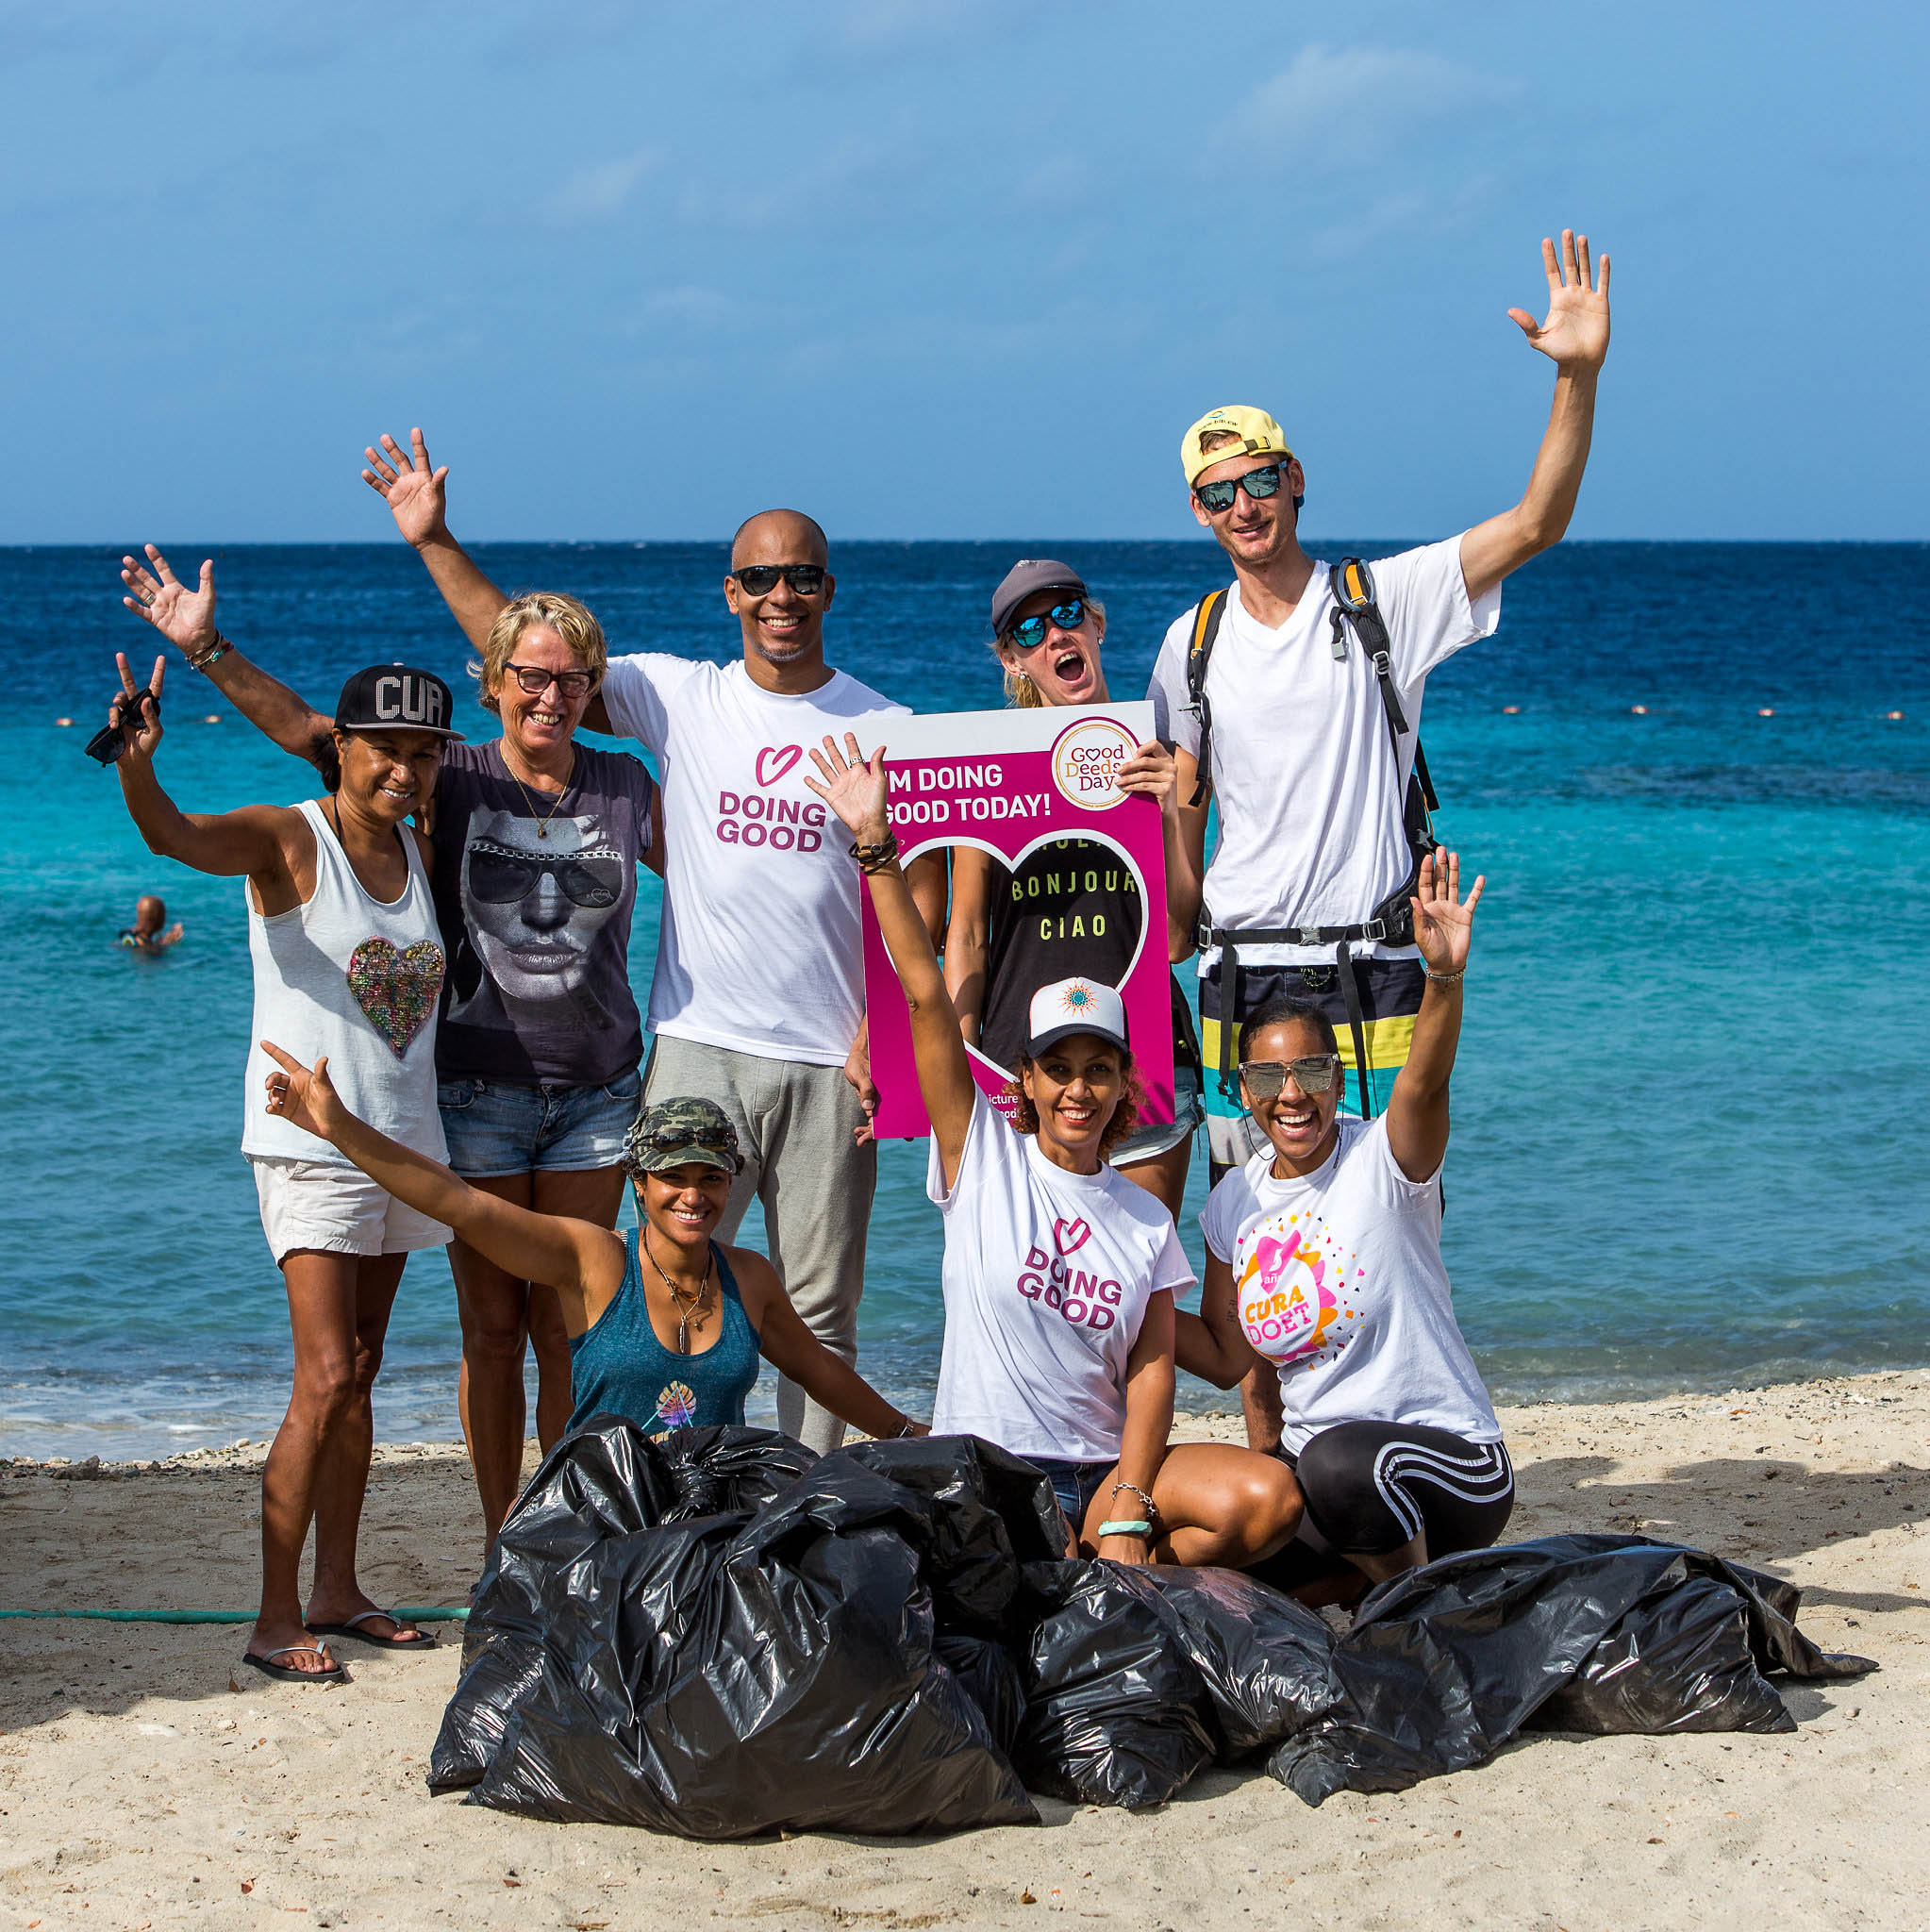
[785, 824]
[1083, 1299]
[1087, 759]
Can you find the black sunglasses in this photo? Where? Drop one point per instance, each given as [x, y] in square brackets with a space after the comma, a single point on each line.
[760, 580]
[535, 680]
[497, 877]
[1265, 481]
[1266, 1078]
[1029, 632]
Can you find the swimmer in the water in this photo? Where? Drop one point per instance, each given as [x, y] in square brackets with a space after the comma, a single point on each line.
[146, 935]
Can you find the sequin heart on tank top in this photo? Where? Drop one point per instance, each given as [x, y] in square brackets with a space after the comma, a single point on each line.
[397, 991]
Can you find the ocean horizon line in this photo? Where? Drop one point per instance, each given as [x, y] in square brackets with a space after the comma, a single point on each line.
[1314, 543]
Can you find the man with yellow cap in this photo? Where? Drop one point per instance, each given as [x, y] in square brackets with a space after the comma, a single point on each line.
[1292, 700]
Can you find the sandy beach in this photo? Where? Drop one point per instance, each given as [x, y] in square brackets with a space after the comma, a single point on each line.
[144, 1784]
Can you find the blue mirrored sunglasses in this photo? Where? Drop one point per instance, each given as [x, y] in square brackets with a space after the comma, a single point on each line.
[1029, 632]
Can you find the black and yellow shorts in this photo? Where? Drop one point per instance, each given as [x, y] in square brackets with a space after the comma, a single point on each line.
[1391, 993]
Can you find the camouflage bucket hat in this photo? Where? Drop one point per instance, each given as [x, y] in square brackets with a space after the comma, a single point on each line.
[680, 1132]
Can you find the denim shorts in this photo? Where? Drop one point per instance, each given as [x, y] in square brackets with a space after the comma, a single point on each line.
[498, 1127]
[1073, 1483]
[1188, 1110]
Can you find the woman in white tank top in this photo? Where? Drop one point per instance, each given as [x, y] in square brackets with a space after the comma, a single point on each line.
[347, 958]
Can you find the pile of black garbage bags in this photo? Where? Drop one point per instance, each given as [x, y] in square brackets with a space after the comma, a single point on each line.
[720, 1633]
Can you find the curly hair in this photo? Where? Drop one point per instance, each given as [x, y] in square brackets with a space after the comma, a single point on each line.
[569, 620]
[1122, 1126]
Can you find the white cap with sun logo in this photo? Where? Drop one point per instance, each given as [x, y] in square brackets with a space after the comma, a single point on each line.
[1075, 1005]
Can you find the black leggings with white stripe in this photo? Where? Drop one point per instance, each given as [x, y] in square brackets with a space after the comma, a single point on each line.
[1371, 1487]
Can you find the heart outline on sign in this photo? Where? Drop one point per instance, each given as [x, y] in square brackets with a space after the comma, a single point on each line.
[785, 755]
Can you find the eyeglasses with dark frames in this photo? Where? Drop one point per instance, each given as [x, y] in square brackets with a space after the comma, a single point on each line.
[537, 678]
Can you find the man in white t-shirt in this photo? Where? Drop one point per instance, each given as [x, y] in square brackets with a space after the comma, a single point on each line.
[1308, 769]
[757, 1001]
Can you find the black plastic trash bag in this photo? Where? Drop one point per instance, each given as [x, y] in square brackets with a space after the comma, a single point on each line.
[652, 1652]
[1140, 1677]
[1445, 1664]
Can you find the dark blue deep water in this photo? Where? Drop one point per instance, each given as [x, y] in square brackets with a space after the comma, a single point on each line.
[1690, 1137]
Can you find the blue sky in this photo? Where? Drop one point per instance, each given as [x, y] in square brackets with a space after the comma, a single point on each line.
[949, 267]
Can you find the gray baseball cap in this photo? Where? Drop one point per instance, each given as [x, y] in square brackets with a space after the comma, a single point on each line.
[1026, 578]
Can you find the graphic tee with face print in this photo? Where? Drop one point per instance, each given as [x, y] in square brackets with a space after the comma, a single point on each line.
[534, 906]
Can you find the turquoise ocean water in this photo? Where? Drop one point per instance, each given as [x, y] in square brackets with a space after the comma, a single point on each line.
[1690, 1137]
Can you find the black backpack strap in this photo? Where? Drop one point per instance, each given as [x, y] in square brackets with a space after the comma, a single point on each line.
[1353, 596]
[1198, 653]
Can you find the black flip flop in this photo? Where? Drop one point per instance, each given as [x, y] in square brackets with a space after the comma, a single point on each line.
[265, 1664]
[421, 1639]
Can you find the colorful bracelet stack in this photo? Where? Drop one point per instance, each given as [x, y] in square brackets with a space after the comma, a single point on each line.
[219, 649]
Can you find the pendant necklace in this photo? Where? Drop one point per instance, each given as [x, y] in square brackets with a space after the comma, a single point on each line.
[685, 1309]
[543, 818]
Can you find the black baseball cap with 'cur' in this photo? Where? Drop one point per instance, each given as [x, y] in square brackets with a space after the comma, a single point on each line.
[396, 697]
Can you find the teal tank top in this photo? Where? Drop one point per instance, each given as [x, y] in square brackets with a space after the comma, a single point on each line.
[619, 1367]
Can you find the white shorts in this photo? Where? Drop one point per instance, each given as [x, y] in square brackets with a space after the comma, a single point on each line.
[336, 1208]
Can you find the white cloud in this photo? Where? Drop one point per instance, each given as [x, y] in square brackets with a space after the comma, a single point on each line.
[595, 193]
[1341, 108]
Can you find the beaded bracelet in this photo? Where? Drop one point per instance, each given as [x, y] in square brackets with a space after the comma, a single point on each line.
[1443, 978]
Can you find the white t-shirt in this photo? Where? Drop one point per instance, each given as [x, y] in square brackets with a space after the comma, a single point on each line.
[760, 949]
[1046, 1278]
[1338, 1281]
[1311, 829]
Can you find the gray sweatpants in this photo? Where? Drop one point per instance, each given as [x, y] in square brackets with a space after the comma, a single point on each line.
[796, 1124]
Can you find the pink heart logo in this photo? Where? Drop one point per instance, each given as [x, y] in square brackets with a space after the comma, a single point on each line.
[397, 991]
[1068, 1235]
[775, 760]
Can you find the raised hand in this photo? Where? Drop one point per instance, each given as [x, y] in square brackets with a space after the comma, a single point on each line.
[411, 488]
[1575, 333]
[304, 1095]
[137, 721]
[1443, 924]
[855, 789]
[184, 617]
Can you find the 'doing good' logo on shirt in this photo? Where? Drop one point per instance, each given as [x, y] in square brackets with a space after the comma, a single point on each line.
[1082, 1299]
[1087, 759]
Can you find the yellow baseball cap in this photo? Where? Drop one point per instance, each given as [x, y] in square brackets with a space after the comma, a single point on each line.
[1256, 434]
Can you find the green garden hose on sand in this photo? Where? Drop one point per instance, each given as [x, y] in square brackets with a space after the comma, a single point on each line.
[431, 1614]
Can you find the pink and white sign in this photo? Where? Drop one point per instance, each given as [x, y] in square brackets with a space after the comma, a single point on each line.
[1010, 782]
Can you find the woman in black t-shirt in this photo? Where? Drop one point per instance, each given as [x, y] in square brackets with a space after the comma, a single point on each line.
[1074, 905]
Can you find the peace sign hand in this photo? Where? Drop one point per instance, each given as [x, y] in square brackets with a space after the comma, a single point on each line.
[1576, 331]
[304, 1095]
[1443, 923]
[184, 617]
[136, 713]
[411, 488]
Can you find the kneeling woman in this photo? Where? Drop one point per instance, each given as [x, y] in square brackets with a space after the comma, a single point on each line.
[666, 1326]
[1058, 1274]
[1324, 1264]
